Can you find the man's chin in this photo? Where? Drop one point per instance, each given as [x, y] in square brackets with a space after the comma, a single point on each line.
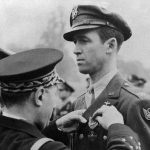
[83, 71]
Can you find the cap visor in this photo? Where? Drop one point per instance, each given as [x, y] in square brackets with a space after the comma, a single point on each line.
[70, 34]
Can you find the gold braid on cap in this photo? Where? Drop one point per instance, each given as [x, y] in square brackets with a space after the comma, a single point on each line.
[48, 80]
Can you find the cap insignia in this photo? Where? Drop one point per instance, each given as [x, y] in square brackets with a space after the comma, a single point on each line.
[74, 12]
[147, 113]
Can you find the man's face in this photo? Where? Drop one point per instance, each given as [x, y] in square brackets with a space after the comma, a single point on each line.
[62, 92]
[90, 51]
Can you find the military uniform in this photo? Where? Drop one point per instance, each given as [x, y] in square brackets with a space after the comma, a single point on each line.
[119, 137]
[20, 135]
[116, 93]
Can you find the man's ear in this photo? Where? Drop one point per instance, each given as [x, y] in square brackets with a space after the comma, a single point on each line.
[39, 96]
[111, 45]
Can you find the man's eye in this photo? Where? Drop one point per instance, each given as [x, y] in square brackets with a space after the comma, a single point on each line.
[82, 40]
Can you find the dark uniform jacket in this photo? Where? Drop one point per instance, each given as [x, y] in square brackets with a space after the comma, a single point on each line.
[117, 93]
[20, 135]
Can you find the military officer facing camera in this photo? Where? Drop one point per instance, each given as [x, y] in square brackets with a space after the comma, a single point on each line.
[27, 81]
[98, 35]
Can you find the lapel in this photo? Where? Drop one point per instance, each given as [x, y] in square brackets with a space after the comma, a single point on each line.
[109, 96]
[80, 103]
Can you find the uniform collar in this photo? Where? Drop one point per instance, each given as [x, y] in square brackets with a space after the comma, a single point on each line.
[20, 125]
[103, 82]
[114, 87]
[12, 116]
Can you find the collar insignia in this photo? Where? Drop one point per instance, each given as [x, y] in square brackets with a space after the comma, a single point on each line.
[107, 103]
[74, 12]
[147, 113]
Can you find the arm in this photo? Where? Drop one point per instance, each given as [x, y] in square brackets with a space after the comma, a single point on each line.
[139, 120]
[65, 124]
[120, 136]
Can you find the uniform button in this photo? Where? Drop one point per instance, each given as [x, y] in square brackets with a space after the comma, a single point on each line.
[104, 137]
[139, 147]
[139, 143]
[131, 147]
[123, 139]
[81, 136]
[131, 137]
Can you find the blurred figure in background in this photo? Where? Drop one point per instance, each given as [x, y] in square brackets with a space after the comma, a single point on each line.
[3, 54]
[65, 105]
[139, 85]
[137, 81]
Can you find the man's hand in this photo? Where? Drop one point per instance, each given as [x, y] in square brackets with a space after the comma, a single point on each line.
[70, 122]
[108, 115]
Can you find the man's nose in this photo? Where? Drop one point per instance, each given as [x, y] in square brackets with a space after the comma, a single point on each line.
[77, 50]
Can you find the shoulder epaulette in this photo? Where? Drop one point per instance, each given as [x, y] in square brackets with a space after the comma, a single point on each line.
[131, 89]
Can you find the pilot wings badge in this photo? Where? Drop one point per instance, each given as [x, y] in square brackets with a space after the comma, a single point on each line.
[147, 113]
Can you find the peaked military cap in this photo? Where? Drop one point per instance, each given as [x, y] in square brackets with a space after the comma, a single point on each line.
[89, 16]
[25, 71]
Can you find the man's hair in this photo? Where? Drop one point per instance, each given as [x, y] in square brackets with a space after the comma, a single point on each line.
[10, 99]
[106, 33]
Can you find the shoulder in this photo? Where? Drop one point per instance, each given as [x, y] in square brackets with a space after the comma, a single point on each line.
[54, 145]
[129, 90]
[47, 144]
[141, 109]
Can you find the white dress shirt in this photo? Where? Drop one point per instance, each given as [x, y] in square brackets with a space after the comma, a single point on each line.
[99, 86]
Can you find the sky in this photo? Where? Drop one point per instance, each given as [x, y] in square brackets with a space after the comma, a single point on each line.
[23, 21]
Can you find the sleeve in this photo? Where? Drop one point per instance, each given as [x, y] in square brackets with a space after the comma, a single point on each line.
[54, 146]
[52, 132]
[139, 120]
[121, 137]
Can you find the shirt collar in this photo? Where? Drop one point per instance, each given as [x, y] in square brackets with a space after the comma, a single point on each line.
[103, 82]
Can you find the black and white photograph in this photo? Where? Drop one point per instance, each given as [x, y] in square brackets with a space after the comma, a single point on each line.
[74, 75]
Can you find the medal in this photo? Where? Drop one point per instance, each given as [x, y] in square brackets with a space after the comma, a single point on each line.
[92, 124]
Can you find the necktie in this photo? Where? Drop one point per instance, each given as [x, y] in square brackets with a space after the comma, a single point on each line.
[92, 95]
